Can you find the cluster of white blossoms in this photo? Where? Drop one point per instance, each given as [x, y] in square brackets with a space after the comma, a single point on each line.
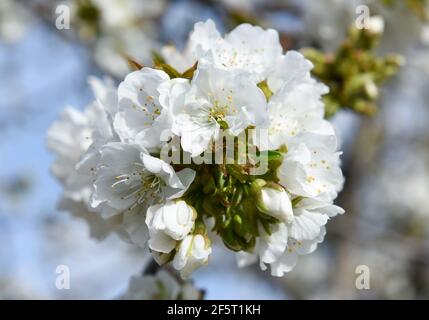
[113, 165]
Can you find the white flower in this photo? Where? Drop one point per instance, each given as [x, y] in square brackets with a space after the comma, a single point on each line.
[281, 248]
[193, 252]
[269, 247]
[216, 99]
[168, 223]
[200, 40]
[247, 48]
[310, 216]
[69, 138]
[128, 180]
[296, 106]
[275, 202]
[141, 118]
[294, 249]
[133, 223]
[75, 139]
[100, 119]
[311, 168]
[294, 112]
[172, 94]
[75, 133]
[106, 95]
[99, 228]
[292, 70]
[126, 177]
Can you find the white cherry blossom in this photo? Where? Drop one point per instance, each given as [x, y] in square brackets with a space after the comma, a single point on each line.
[75, 138]
[310, 216]
[200, 41]
[193, 252]
[217, 99]
[249, 49]
[295, 249]
[168, 223]
[127, 177]
[102, 112]
[99, 228]
[296, 106]
[141, 118]
[311, 168]
[279, 250]
[69, 138]
[282, 247]
[269, 247]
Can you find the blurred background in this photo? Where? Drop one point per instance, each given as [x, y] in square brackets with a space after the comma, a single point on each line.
[385, 159]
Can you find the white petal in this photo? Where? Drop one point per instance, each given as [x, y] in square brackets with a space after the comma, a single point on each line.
[161, 242]
[276, 203]
[306, 225]
[292, 69]
[271, 247]
[285, 264]
[135, 226]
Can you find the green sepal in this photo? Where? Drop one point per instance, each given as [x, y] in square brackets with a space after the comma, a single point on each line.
[189, 73]
[296, 201]
[263, 85]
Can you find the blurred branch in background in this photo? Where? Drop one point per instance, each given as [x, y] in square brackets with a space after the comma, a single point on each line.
[418, 7]
[354, 72]
[16, 187]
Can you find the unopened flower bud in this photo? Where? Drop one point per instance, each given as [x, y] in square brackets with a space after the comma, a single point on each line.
[193, 252]
[276, 203]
